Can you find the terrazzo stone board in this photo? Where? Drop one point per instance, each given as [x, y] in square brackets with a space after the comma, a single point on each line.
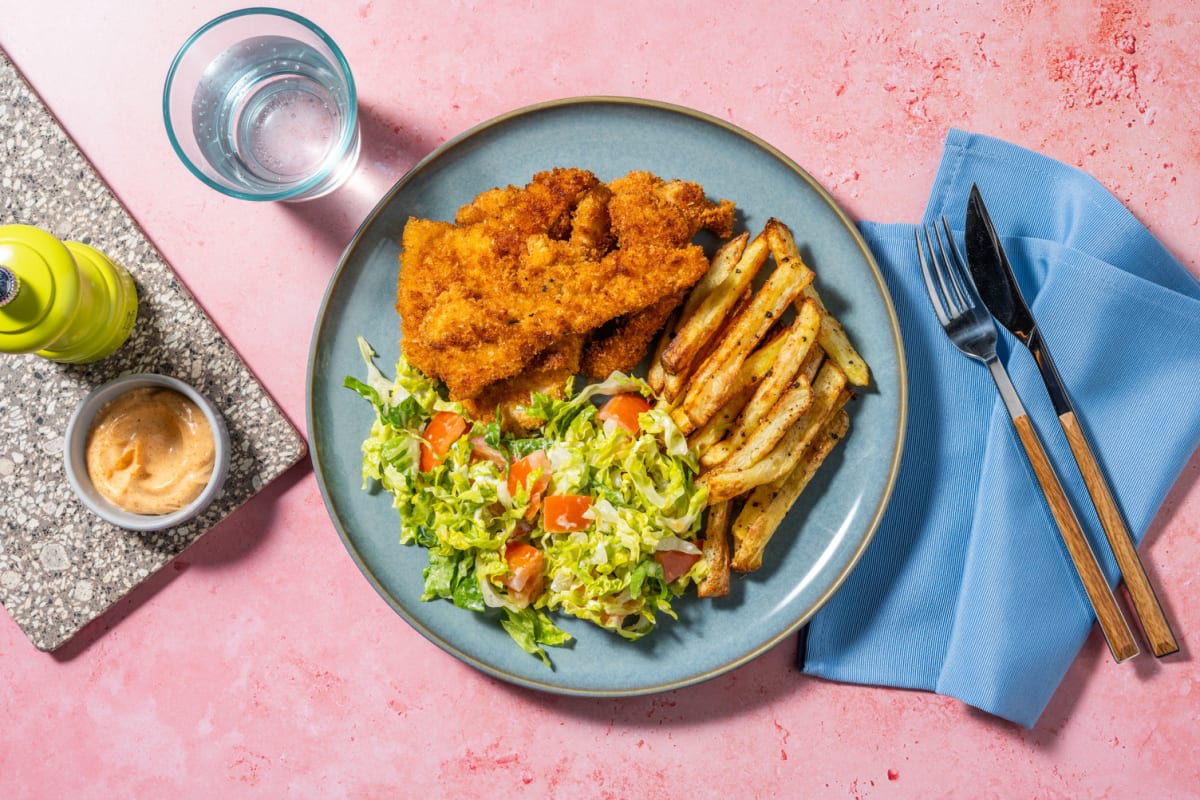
[61, 566]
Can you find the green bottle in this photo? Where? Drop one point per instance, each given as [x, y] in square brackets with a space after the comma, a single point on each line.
[65, 301]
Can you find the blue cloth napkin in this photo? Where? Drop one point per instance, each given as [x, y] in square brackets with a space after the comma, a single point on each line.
[967, 589]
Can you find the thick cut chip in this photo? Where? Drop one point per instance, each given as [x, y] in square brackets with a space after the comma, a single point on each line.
[715, 551]
[713, 382]
[737, 475]
[767, 504]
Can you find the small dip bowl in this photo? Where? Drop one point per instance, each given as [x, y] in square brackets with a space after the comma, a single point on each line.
[74, 449]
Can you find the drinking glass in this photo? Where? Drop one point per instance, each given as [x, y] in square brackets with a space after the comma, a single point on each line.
[260, 104]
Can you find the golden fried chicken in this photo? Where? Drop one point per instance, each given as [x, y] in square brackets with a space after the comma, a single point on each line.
[622, 343]
[648, 210]
[591, 225]
[547, 374]
[520, 269]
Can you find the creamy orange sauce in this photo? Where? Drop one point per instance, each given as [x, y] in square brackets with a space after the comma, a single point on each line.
[150, 451]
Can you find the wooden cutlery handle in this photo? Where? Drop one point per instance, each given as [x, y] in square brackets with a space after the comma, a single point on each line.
[1108, 613]
[1141, 592]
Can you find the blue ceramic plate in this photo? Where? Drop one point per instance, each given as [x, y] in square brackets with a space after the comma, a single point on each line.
[822, 537]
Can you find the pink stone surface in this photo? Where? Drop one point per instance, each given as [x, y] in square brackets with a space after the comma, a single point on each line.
[261, 664]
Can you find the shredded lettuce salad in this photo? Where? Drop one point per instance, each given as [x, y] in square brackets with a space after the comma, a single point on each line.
[643, 505]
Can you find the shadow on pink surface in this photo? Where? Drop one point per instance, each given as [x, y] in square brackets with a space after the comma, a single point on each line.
[231, 540]
[390, 147]
[1095, 656]
[755, 685]
[1170, 516]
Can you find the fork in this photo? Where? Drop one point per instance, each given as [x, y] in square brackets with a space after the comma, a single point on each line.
[970, 327]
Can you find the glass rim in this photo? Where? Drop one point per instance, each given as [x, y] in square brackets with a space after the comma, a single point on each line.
[348, 134]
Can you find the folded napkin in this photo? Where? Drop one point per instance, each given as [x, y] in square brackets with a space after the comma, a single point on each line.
[967, 589]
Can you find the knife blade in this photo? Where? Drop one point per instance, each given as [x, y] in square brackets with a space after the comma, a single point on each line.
[1002, 295]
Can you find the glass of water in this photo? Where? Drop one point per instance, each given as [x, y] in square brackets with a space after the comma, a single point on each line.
[260, 104]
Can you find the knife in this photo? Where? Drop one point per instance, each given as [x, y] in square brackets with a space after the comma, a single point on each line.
[1002, 295]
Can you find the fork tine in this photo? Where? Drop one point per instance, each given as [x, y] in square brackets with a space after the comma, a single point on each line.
[935, 296]
[946, 270]
[966, 293]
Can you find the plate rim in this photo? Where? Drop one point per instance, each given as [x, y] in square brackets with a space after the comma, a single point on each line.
[901, 369]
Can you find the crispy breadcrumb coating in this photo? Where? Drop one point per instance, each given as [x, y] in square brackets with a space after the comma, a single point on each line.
[523, 270]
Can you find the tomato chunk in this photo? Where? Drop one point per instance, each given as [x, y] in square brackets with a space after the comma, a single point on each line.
[675, 563]
[518, 477]
[525, 572]
[562, 513]
[624, 410]
[442, 431]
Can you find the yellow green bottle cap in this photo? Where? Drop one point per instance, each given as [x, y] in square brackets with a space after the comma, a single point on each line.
[46, 294]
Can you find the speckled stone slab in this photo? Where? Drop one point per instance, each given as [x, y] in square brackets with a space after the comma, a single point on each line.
[61, 566]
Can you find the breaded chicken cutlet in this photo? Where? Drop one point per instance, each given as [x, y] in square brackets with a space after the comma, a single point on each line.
[507, 299]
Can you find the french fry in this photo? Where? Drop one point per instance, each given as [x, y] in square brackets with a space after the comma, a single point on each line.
[768, 504]
[832, 336]
[709, 437]
[713, 382]
[667, 384]
[760, 404]
[836, 344]
[752, 517]
[671, 389]
[716, 551]
[753, 370]
[797, 343]
[752, 446]
[703, 322]
[726, 484]
[657, 374]
[738, 476]
[675, 383]
[759, 363]
[724, 261]
[812, 363]
[806, 405]
[656, 377]
[718, 451]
